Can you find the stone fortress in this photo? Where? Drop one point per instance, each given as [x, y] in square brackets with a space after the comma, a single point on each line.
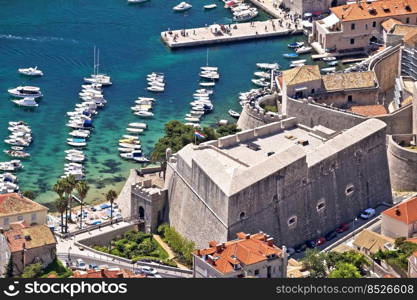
[336, 146]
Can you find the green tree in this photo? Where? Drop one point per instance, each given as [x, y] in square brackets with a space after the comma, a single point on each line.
[345, 270]
[69, 184]
[32, 271]
[61, 203]
[29, 194]
[111, 196]
[82, 191]
[315, 262]
[9, 268]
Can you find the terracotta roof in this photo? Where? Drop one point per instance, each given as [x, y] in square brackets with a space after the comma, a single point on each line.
[405, 212]
[390, 23]
[106, 273]
[13, 203]
[412, 240]
[371, 241]
[369, 110]
[29, 237]
[301, 74]
[347, 81]
[246, 250]
[375, 9]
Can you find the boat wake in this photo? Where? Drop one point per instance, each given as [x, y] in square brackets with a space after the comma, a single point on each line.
[36, 38]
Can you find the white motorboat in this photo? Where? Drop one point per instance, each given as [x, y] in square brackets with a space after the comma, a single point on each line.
[17, 142]
[74, 151]
[25, 91]
[17, 154]
[132, 154]
[30, 71]
[210, 6]
[131, 137]
[268, 66]
[205, 91]
[144, 114]
[262, 74]
[182, 6]
[146, 98]
[136, 1]
[329, 58]
[27, 102]
[138, 125]
[296, 45]
[209, 69]
[328, 70]
[154, 88]
[192, 119]
[303, 50]
[75, 158]
[233, 113]
[134, 130]
[299, 61]
[207, 84]
[141, 159]
[80, 133]
[131, 146]
[294, 65]
[209, 75]
[156, 83]
[245, 15]
[260, 82]
[11, 166]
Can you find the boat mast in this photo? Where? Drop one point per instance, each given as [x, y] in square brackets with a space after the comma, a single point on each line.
[98, 60]
[94, 63]
[207, 57]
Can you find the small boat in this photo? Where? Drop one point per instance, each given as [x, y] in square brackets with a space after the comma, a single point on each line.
[329, 58]
[209, 75]
[333, 63]
[146, 98]
[183, 6]
[303, 50]
[16, 148]
[27, 102]
[300, 61]
[207, 84]
[296, 45]
[293, 65]
[131, 137]
[134, 130]
[25, 91]
[77, 144]
[193, 120]
[141, 159]
[30, 71]
[144, 114]
[131, 146]
[267, 66]
[328, 70]
[80, 133]
[260, 82]
[138, 125]
[136, 1]
[234, 114]
[290, 55]
[75, 158]
[245, 15]
[262, 74]
[123, 149]
[210, 6]
[17, 154]
[156, 89]
[209, 69]
[132, 154]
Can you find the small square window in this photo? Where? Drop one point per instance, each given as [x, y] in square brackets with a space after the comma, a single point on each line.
[33, 217]
[352, 41]
[256, 272]
[20, 218]
[6, 221]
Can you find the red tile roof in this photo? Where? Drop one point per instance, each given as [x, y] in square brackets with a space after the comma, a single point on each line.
[405, 212]
[246, 250]
[13, 203]
[369, 110]
[390, 23]
[20, 238]
[106, 273]
[375, 9]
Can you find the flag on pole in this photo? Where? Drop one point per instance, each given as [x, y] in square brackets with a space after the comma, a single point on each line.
[199, 134]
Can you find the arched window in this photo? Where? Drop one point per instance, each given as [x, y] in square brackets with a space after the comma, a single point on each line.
[141, 212]
[242, 215]
[292, 222]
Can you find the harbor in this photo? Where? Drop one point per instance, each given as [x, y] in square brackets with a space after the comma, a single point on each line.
[216, 34]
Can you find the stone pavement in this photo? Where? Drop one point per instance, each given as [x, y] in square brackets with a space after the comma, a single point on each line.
[171, 254]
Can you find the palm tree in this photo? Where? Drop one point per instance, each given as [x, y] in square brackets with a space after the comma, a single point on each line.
[82, 190]
[61, 204]
[69, 185]
[111, 196]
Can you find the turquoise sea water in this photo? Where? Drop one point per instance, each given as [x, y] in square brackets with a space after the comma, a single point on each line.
[58, 36]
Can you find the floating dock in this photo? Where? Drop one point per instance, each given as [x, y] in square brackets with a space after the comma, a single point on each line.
[216, 34]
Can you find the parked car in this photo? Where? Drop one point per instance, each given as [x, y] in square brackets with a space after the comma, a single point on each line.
[367, 213]
[301, 248]
[342, 228]
[149, 270]
[320, 241]
[331, 235]
[290, 251]
[81, 264]
[311, 244]
[93, 266]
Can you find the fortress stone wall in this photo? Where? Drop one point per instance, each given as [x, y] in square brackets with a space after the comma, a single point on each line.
[319, 190]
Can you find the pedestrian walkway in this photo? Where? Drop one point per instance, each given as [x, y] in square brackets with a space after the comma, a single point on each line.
[171, 254]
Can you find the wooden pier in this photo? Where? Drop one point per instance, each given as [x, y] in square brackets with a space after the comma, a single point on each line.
[215, 34]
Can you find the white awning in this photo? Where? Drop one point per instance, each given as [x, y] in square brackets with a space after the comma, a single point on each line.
[330, 20]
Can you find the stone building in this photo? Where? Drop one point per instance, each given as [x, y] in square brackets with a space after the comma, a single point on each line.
[248, 256]
[16, 208]
[311, 6]
[400, 220]
[357, 27]
[28, 245]
[284, 178]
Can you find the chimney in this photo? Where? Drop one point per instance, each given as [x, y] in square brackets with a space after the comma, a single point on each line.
[270, 241]
[397, 212]
[219, 247]
[247, 236]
